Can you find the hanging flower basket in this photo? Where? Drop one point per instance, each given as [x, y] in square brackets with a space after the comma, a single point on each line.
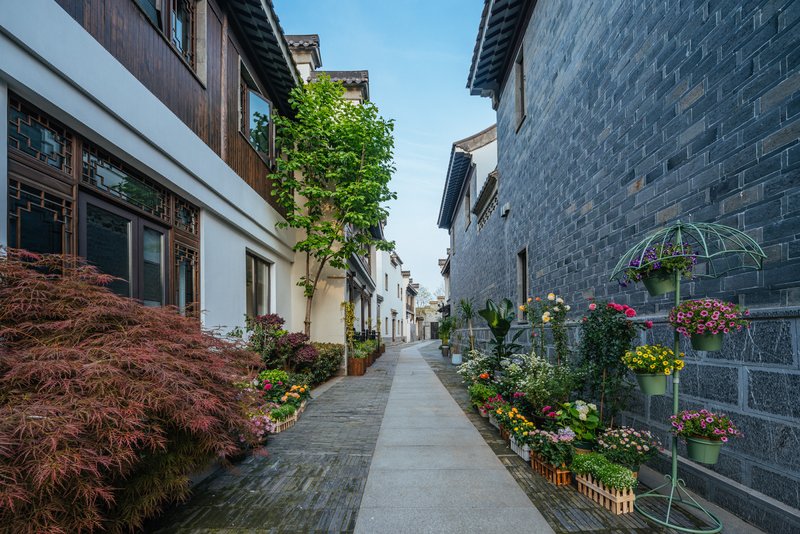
[659, 282]
[701, 450]
[707, 342]
[706, 320]
[652, 384]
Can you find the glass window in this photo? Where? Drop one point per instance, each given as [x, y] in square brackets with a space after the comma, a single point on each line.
[38, 221]
[256, 116]
[108, 246]
[152, 267]
[34, 134]
[186, 260]
[257, 286]
[182, 25]
[126, 246]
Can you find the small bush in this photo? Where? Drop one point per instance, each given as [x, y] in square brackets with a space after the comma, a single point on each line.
[480, 393]
[610, 474]
[282, 413]
[327, 363]
[106, 406]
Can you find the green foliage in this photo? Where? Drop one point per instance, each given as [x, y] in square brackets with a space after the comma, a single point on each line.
[607, 334]
[362, 349]
[446, 327]
[480, 393]
[333, 177]
[554, 448]
[610, 474]
[581, 417]
[499, 318]
[283, 412]
[327, 364]
[546, 384]
[467, 312]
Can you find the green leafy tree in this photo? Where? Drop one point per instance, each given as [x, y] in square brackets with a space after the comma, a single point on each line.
[332, 178]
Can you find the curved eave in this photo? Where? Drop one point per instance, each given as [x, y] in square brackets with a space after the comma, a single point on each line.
[457, 169]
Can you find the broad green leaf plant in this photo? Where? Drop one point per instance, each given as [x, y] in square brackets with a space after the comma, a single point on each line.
[332, 178]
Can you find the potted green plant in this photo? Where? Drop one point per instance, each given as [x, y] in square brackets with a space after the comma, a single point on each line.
[499, 319]
[628, 447]
[706, 321]
[583, 419]
[657, 266]
[467, 312]
[551, 453]
[651, 364]
[705, 433]
[605, 482]
[479, 393]
[446, 326]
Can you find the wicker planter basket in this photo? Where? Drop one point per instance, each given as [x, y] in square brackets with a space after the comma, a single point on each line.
[613, 500]
[554, 475]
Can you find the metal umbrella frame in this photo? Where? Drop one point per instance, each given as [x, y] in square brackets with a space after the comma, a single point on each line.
[718, 250]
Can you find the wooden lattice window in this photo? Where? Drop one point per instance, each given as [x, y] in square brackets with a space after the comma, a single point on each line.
[187, 216]
[38, 136]
[38, 221]
[182, 24]
[110, 175]
[186, 261]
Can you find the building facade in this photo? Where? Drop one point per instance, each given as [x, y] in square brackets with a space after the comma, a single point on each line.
[615, 119]
[390, 283]
[128, 142]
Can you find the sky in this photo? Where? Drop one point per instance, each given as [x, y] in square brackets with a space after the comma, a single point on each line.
[418, 55]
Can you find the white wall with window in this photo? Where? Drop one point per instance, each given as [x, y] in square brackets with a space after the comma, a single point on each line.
[389, 267]
[134, 150]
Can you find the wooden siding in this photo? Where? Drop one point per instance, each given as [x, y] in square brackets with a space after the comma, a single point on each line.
[123, 29]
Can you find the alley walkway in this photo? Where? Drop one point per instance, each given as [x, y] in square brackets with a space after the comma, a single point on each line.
[397, 450]
[432, 471]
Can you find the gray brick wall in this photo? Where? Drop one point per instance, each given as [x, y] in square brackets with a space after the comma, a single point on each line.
[640, 113]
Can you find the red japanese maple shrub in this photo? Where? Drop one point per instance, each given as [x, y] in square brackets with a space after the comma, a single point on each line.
[105, 405]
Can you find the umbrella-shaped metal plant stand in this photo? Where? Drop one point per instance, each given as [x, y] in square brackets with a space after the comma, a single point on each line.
[718, 250]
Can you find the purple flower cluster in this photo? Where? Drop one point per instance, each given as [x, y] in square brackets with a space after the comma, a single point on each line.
[668, 256]
[704, 424]
[707, 316]
[270, 321]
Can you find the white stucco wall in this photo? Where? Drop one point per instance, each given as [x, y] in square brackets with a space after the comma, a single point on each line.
[101, 100]
[327, 315]
[485, 161]
[390, 300]
[3, 164]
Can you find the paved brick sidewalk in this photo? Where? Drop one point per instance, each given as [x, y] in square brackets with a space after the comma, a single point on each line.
[313, 477]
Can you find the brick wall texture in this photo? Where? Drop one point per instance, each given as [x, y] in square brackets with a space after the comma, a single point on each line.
[640, 113]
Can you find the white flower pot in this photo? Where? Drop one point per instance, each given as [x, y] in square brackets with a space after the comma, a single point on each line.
[523, 451]
[455, 359]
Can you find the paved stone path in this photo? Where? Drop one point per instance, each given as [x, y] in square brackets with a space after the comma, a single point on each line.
[399, 449]
[313, 476]
[432, 471]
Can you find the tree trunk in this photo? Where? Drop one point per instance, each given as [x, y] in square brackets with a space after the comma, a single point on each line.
[471, 335]
[307, 322]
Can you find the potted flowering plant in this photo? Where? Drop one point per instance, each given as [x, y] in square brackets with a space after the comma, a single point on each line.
[584, 421]
[492, 405]
[651, 364]
[551, 452]
[519, 430]
[657, 266]
[705, 433]
[479, 393]
[705, 321]
[628, 447]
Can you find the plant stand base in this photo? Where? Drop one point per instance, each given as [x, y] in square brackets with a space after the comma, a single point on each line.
[615, 501]
[677, 495]
[554, 475]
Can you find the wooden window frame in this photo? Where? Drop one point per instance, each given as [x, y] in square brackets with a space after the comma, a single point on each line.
[268, 300]
[248, 84]
[138, 225]
[163, 22]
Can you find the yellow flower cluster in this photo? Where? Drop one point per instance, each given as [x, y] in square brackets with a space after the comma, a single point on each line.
[652, 359]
